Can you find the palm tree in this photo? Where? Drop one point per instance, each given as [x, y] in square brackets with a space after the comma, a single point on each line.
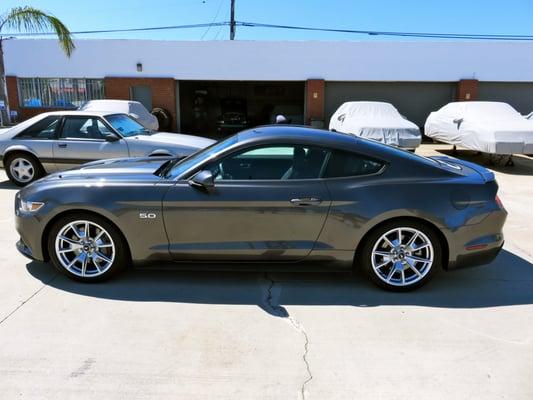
[30, 20]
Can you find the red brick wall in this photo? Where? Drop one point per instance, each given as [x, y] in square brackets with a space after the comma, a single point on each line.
[163, 91]
[314, 101]
[467, 89]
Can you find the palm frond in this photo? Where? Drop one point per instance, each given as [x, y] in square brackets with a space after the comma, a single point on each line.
[32, 20]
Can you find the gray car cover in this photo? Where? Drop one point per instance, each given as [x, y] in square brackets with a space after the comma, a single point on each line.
[378, 121]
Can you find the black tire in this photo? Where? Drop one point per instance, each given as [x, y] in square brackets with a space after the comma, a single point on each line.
[36, 167]
[365, 255]
[121, 255]
[164, 118]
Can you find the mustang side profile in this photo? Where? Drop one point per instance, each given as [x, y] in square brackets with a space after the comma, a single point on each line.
[60, 140]
[285, 195]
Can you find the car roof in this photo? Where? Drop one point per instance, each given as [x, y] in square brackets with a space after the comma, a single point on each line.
[79, 112]
[278, 133]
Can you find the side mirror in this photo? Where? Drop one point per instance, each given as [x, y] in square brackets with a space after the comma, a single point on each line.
[203, 179]
[111, 137]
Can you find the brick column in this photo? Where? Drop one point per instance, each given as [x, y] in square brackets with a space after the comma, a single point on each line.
[314, 100]
[467, 89]
[163, 91]
[13, 93]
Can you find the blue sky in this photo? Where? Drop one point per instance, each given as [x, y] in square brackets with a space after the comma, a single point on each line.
[464, 16]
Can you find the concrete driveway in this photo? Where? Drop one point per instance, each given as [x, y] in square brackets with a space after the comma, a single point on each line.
[220, 335]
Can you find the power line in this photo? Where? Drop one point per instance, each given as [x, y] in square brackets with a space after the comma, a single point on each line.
[470, 36]
[388, 33]
[153, 28]
[213, 21]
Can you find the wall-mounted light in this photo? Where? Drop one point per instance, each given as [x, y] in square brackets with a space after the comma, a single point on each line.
[139, 67]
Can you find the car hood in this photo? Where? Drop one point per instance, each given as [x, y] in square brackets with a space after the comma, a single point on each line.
[178, 139]
[119, 169]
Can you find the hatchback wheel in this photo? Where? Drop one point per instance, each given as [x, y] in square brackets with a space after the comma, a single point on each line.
[23, 169]
[401, 256]
[86, 248]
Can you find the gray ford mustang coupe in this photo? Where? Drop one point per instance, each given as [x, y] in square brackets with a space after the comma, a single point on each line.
[290, 196]
[60, 140]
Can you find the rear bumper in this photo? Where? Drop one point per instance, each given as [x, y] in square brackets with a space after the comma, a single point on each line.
[477, 244]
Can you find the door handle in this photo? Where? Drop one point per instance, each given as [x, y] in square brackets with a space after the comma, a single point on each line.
[62, 145]
[306, 201]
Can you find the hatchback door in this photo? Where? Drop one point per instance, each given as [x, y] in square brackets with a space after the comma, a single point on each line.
[86, 138]
[263, 206]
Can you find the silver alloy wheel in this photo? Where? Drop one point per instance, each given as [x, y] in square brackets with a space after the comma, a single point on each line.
[402, 256]
[84, 248]
[22, 170]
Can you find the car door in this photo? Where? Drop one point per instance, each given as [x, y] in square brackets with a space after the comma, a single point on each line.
[86, 138]
[266, 204]
[39, 139]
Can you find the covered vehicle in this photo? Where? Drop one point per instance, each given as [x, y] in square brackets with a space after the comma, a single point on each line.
[485, 126]
[133, 108]
[378, 121]
[60, 140]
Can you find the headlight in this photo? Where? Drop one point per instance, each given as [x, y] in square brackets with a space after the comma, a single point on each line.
[30, 206]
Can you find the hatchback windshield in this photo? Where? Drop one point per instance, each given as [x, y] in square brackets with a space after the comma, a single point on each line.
[127, 126]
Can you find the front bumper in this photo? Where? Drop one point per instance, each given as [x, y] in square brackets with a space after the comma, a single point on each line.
[30, 229]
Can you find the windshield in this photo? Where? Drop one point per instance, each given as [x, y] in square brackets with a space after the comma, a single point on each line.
[127, 126]
[200, 156]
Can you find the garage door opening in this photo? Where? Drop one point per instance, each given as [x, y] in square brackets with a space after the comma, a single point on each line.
[217, 109]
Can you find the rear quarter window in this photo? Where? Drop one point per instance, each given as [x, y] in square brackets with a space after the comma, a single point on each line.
[345, 164]
[43, 129]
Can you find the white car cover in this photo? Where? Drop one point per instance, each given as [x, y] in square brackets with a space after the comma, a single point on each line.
[489, 127]
[378, 121]
[133, 108]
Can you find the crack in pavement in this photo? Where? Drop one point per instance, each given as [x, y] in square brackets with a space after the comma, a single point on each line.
[282, 312]
[28, 299]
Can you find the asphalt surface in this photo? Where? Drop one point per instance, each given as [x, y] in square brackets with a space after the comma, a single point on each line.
[220, 335]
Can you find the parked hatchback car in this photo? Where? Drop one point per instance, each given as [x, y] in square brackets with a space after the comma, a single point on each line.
[289, 196]
[133, 108]
[61, 140]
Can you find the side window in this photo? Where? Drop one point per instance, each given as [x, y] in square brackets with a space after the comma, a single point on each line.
[43, 129]
[343, 164]
[83, 128]
[271, 163]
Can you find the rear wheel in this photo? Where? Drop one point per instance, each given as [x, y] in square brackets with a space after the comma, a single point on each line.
[401, 255]
[23, 168]
[86, 248]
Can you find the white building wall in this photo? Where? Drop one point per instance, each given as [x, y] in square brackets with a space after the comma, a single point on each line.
[265, 60]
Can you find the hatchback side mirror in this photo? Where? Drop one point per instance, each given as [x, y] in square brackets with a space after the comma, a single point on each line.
[110, 137]
[203, 179]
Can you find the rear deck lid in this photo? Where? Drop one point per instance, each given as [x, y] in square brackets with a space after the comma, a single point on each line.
[464, 167]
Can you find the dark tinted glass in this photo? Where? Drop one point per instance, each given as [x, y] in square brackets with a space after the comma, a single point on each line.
[271, 163]
[44, 129]
[83, 128]
[343, 163]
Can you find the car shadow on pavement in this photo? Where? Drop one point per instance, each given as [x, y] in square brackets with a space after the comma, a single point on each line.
[8, 185]
[506, 281]
[523, 165]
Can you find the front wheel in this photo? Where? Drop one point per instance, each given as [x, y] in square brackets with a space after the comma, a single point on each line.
[401, 255]
[86, 248]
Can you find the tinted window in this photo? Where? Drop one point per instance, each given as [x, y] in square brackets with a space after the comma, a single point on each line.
[343, 163]
[84, 128]
[43, 129]
[126, 125]
[271, 163]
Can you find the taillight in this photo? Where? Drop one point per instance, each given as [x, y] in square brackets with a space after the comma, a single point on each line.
[499, 202]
